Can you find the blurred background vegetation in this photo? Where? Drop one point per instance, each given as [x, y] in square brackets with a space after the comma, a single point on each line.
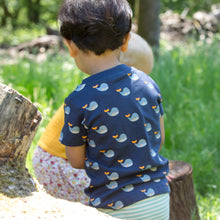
[17, 17]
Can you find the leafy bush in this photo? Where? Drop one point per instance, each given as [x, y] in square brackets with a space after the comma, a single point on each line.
[192, 5]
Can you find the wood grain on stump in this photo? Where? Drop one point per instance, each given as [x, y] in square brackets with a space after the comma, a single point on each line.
[19, 119]
[182, 198]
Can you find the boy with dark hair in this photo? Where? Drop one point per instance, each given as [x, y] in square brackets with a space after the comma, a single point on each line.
[114, 120]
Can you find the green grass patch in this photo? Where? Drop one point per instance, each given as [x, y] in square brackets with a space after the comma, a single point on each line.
[10, 36]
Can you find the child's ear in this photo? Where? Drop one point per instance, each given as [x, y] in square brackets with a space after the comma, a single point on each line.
[126, 39]
[73, 49]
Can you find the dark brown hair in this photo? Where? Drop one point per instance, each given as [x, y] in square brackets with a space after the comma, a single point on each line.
[95, 25]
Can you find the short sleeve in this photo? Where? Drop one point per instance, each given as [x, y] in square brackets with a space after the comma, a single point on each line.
[159, 98]
[73, 132]
[160, 105]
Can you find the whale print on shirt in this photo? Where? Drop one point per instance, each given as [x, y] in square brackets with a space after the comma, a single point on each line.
[157, 134]
[148, 127]
[133, 76]
[145, 178]
[95, 166]
[128, 188]
[153, 153]
[142, 101]
[113, 112]
[134, 117]
[95, 202]
[122, 138]
[150, 192]
[156, 108]
[149, 84]
[87, 163]
[101, 130]
[140, 143]
[102, 87]
[157, 180]
[67, 110]
[91, 107]
[127, 163]
[154, 169]
[113, 176]
[108, 154]
[74, 130]
[124, 92]
[80, 87]
[91, 143]
[117, 205]
[61, 136]
[112, 185]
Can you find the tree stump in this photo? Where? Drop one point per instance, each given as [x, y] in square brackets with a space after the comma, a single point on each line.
[19, 119]
[182, 198]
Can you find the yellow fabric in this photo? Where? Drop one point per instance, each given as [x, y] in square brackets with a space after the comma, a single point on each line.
[49, 141]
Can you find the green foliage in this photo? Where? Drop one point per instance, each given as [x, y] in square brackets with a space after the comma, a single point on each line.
[49, 10]
[46, 84]
[26, 12]
[192, 5]
[11, 37]
[189, 77]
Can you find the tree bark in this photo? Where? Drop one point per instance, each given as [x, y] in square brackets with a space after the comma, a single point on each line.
[19, 120]
[149, 22]
[33, 10]
[182, 197]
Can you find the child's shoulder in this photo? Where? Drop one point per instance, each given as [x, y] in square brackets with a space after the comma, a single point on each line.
[147, 80]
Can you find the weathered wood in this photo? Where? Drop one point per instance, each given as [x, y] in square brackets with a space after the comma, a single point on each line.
[19, 119]
[182, 198]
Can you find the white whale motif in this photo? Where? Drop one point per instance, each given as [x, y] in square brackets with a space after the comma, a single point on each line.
[67, 110]
[80, 87]
[103, 87]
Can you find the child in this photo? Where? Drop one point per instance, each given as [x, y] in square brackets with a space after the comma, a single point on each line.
[114, 120]
[51, 167]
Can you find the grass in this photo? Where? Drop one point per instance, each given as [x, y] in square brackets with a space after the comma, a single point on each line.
[189, 79]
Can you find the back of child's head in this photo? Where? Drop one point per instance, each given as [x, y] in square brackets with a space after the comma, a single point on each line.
[95, 25]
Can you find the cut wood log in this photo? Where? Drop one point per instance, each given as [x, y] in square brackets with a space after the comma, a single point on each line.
[182, 198]
[19, 119]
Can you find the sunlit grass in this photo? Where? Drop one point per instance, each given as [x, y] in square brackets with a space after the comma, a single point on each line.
[14, 36]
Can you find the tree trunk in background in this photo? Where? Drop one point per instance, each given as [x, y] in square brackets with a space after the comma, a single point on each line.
[149, 22]
[33, 10]
[9, 13]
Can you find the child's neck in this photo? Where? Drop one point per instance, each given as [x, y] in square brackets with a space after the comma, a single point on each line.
[92, 64]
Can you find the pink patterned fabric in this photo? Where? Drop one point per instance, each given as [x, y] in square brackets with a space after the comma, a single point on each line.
[59, 178]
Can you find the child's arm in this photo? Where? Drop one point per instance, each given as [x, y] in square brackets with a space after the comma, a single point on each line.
[76, 156]
[162, 131]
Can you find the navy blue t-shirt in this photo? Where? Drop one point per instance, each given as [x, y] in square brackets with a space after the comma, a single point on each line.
[117, 114]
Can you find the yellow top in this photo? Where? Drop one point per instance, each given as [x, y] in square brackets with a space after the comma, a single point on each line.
[49, 141]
